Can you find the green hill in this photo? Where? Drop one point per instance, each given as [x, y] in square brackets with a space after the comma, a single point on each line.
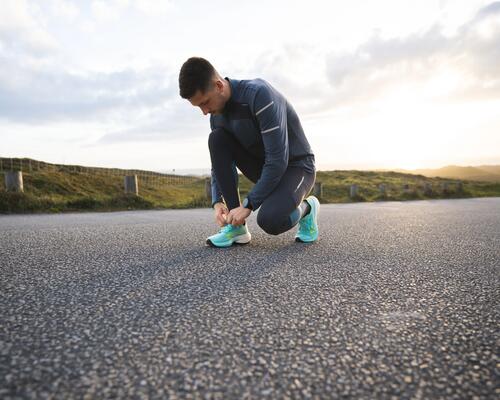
[57, 188]
[486, 173]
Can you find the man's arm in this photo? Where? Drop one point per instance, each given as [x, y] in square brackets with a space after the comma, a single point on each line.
[270, 113]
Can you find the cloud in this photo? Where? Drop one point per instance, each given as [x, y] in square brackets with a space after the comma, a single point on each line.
[21, 29]
[34, 89]
[432, 64]
[381, 64]
[177, 122]
[152, 7]
[461, 66]
[112, 10]
[491, 9]
[105, 10]
[34, 94]
[65, 9]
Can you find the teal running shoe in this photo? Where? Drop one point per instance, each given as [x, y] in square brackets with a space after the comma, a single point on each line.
[308, 226]
[230, 234]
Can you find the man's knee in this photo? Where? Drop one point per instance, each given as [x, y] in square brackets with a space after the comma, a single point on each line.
[269, 221]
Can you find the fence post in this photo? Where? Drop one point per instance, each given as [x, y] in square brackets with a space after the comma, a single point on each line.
[427, 188]
[381, 188]
[131, 185]
[460, 187]
[14, 181]
[208, 188]
[354, 191]
[444, 187]
[318, 189]
[406, 188]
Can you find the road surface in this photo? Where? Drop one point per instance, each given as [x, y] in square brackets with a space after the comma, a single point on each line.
[396, 300]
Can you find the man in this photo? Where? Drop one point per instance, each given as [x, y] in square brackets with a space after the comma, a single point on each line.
[255, 129]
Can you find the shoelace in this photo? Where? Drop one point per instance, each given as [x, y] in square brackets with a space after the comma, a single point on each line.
[226, 228]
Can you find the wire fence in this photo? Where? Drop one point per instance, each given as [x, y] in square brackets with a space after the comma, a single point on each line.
[149, 178]
[387, 191]
[161, 180]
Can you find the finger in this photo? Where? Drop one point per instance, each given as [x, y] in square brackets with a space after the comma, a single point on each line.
[220, 218]
[236, 221]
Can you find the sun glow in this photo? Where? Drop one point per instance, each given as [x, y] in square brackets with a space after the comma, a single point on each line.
[402, 129]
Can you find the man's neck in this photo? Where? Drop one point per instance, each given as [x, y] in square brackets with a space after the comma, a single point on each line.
[228, 89]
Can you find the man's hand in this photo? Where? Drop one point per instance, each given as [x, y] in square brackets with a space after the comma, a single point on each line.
[237, 216]
[221, 213]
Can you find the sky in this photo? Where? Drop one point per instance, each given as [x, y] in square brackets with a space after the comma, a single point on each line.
[385, 84]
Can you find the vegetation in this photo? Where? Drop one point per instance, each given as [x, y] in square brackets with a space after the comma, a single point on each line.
[73, 188]
[486, 173]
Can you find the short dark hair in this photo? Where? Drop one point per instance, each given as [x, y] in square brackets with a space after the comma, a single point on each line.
[196, 74]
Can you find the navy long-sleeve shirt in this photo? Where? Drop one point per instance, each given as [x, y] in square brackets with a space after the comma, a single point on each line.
[265, 124]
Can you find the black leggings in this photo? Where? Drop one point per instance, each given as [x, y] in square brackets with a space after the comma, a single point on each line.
[280, 210]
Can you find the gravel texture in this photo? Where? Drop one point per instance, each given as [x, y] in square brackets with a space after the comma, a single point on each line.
[396, 300]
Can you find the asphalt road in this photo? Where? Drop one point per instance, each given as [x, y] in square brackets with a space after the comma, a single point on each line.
[396, 300]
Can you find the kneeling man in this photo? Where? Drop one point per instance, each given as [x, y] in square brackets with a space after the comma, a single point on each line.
[255, 129]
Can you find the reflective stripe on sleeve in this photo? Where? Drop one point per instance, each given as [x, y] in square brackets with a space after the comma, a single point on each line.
[263, 108]
[271, 129]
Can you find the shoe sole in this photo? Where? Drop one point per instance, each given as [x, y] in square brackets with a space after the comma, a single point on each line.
[299, 240]
[238, 240]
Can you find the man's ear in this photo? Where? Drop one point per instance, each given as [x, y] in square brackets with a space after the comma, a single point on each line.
[219, 85]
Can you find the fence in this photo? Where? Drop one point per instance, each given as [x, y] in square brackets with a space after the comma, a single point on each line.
[157, 179]
[388, 190]
[148, 178]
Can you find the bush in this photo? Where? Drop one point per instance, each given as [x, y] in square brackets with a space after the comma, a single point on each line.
[13, 202]
[129, 202]
[84, 203]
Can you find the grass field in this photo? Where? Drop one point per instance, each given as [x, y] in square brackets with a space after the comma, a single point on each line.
[74, 189]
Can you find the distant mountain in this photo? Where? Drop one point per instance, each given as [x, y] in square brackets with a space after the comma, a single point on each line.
[485, 173]
[188, 171]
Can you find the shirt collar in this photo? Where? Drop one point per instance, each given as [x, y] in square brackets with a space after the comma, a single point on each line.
[233, 83]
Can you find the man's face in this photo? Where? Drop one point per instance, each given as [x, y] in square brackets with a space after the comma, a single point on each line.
[210, 102]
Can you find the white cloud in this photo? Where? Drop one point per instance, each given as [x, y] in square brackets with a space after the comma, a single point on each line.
[174, 121]
[106, 10]
[37, 93]
[88, 26]
[380, 65]
[111, 10]
[65, 9]
[153, 7]
[22, 29]
[334, 62]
